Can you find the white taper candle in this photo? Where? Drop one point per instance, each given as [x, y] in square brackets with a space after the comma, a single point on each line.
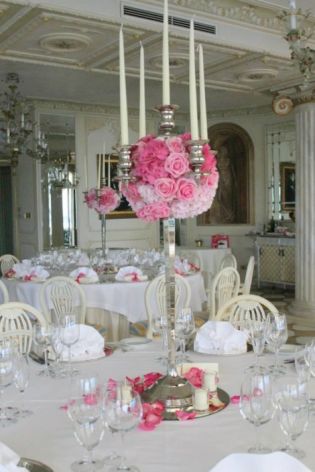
[109, 171]
[166, 62]
[192, 85]
[123, 92]
[142, 127]
[202, 95]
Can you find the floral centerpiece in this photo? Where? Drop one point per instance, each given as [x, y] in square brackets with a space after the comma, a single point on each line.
[102, 200]
[163, 183]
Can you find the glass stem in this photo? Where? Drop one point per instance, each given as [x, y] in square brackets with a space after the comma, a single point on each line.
[69, 360]
[122, 464]
[277, 358]
[257, 437]
[46, 361]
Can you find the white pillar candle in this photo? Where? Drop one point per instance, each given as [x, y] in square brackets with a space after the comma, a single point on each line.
[142, 127]
[201, 399]
[123, 92]
[209, 381]
[165, 59]
[293, 23]
[202, 97]
[192, 85]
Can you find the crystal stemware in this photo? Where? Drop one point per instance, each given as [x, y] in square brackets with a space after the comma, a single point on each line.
[86, 413]
[293, 413]
[41, 337]
[257, 330]
[123, 412]
[69, 335]
[277, 335]
[256, 403]
[7, 368]
[21, 381]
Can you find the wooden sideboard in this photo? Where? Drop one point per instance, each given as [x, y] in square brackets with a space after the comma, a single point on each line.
[275, 260]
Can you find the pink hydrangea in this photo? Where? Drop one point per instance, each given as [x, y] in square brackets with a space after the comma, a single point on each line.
[104, 201]
[154, 211]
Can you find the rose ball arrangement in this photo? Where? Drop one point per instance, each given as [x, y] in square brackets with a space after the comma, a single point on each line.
[163, 183]
[103, 200]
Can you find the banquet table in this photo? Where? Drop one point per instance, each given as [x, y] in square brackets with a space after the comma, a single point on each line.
[174, 446]
[111, 305]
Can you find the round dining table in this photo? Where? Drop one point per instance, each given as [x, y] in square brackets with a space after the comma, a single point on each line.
[173, 446]
[111, 305]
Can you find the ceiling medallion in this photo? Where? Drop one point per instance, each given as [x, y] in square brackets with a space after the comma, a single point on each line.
[257, 75]
[175, 61]
[66, 42]
[282, 105]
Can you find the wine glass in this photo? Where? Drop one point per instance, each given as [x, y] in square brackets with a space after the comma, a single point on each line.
[257, 330]
[21, 381]
[302, 366]
[69, 335]
[7, 367]
[55, 340]
[123, 412]
[256, 403]
[86, 413]
[184, 329]
[41, 337]
[277, 335]
[293, 413]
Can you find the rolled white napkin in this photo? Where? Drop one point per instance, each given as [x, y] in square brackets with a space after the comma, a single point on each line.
[130, 274]
[84, 275]
[182, 266]
[24, 270]
[9, 460]
[274, 462]
[220, 337]
[89, 346]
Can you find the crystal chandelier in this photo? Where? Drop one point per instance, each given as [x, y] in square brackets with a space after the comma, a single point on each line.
[61, 171]
[18, 127]
[297, 36]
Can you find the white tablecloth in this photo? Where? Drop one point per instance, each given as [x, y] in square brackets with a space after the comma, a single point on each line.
[172, 447]
[120, 297]
[210, 259]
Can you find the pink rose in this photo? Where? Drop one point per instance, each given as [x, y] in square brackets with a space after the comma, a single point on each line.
[186, 189]
[154, 211]
[166, 188]
[175, 144]
[211, 180]
[177, 164]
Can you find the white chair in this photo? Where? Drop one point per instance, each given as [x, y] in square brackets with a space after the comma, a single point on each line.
[246, 286]
[60, 295]
[7, 261]
[16, 323]
[225, 286]
[4, 294]
[228, 261]
[155, 298]
[244, 307]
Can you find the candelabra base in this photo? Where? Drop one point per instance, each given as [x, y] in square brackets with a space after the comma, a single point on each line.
[174, 392]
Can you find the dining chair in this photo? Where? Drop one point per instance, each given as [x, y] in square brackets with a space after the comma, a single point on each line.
[155, 302]
[229, 260]
[4, 294]
[225, 286]
[62, 295]
[244, 307]
[7, 261]
[246, 285]
[16, 324]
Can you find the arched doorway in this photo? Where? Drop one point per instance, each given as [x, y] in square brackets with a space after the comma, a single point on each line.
[235, 154]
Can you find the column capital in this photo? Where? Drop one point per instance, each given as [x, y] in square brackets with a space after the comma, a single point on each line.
[282, 105]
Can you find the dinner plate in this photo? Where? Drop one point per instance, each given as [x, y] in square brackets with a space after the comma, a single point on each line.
[134, 343]
[221, 354]
[286, 349]
[34, 466]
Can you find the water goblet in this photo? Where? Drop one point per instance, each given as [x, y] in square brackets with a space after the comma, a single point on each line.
[7, 367]
[69, 335]
[41, 337]
[256, 403]
[302, 366]
[86, 413]
[257, 330]
[277, 335]
[21, 381]
[123, 412]
[293, 413]
[55, 340]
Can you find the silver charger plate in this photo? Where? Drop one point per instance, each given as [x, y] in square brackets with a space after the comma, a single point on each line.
[34, 466]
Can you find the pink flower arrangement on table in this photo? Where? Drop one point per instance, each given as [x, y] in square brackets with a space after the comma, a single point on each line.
[103, 200]
[164, 185]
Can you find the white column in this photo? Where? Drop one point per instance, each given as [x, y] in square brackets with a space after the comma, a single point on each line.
[304, 304]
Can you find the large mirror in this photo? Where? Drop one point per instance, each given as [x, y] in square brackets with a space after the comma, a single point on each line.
[281, 171]
[59, 180]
